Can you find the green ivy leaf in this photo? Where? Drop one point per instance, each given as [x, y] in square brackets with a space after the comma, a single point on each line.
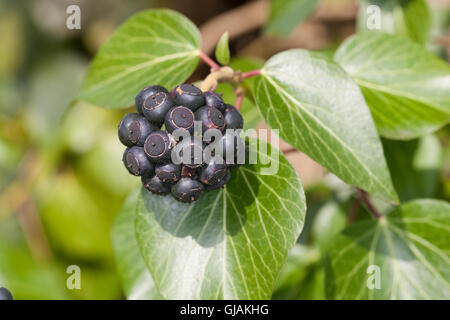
[223, 50]
[136, 279]
[410, 246]
[230, 244]
[319, 110]
[285, 15]
[406, 87]
[415, 166]
[407, 18]
[152, 47]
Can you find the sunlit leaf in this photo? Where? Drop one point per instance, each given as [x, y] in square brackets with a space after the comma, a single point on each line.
[406, 87]
[230, 244]
[321, 111]
[152, 47]
[402, 256]
[223, 50]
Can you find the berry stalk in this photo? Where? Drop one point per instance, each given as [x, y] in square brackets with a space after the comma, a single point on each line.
[223, 74]
[210, 62]
[250, 74]
[240, 94]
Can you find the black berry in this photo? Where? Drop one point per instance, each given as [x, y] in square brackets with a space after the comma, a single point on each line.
[136, 162]
[155, 107]
[168, 173]
[187, 190]
[158, 146]
[213, 172]
[189, 96]
[149, 149]
[5, 294]
[134, 129]
[179, 118]
[155, 185]
[211, 118]
[212, 99]
[221, 183]
[146, 93]
[233, 118]
[188, 172]
[190, 152]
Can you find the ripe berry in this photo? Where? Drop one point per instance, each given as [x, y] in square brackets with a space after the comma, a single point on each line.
[213, 99]
[189, 96]
[136, 162]
[158, 146]
[233, 118]
[5, 294]
[134, 129]
[168, 173]
[155, 185]
[211, 118]
[146, 93]
[155, 107]
[179, 118]
[190, 151]
[233, 148]
[221, 183]
[187, 190]
[187, 172]
[213, 172]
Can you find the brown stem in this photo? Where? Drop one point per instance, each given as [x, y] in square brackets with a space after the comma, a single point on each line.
[289, 151]
[33, 230]
[354, 209]
[366, 199]
[17, 198]
[210, 62]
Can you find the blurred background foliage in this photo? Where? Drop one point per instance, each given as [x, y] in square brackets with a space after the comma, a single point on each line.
[61, 176]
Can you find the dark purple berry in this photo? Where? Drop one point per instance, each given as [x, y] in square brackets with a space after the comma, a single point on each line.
[211, 118]
[134, 129]
[221, 183]
[187, 190]
[158, 146]
[155, 185]
[5, 294]
[168, 173]
[233, 118]
[213, 99]
[145, 93]
[155, 107]
[190, 152]
[189, 96]
[213, 172]
[188, 172]
[179, 118]
[136, 162]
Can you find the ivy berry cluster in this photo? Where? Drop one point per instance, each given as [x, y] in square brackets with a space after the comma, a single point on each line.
[150, 139]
